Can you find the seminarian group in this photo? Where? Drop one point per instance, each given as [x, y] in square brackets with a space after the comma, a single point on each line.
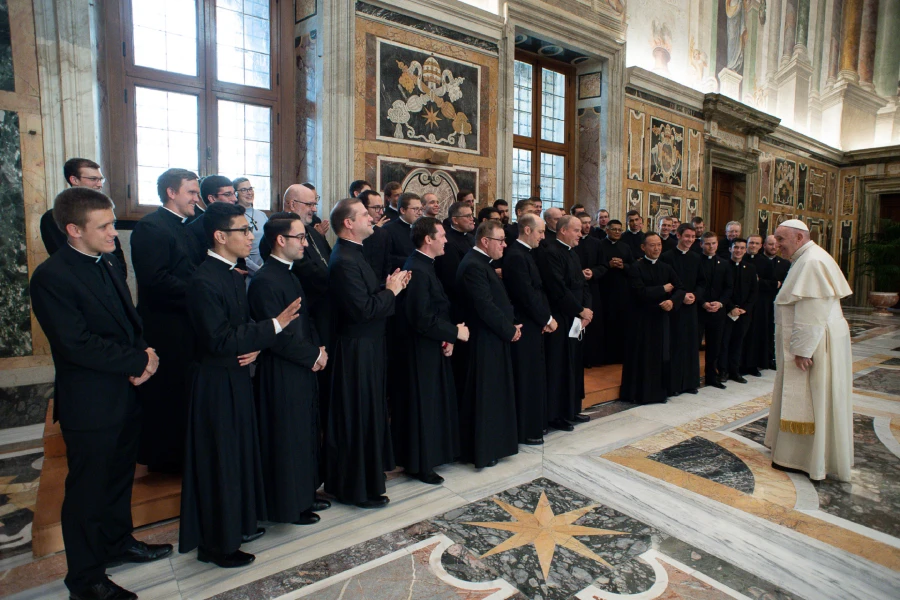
[268, 366]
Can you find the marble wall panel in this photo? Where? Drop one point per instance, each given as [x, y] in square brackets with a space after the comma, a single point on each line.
[588, 179]
[662, 205]
[423, 178]
[695, 159]
[24, 404]
[306, 106]
[762, 223]
[666, 152]
[818, 180]
[848, 195]
[7, 71]
[304, 9]
[785, 174]
[691, 209]
[802, 176]
[635, 158]
[635, 200]
[766, 164]
[15, 306]
[844, 245]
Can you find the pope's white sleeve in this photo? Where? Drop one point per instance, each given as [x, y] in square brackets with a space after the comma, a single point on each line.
[810, 316]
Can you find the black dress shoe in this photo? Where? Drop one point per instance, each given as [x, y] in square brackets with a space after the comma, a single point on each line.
[253, 536]
[693, 391]
[493, 463]
[431, 478]
[561, 425]
[545, 431]
[718, 384]
[307, 517]
[533, 441]
[376, 502]
[141, 553]
[580, 418]
[320, 504]
[755, 373]
[226, 561]
[737, 378]
[103, 590]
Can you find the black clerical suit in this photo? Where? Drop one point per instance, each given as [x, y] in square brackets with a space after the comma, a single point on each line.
[670, 243]
[164, 261]
[391, 213]
[724, 251]
[222, 492]
[598, 233]
[487, 404]
[549, 236]
[446, 266]
[424, 412]
[377, 250]
[634, 241]
[744, 295]
[616, 301]
[95, 334]
[590, 253]
[357, 436]
[715, 285]
[568, 294]
[54, 239]
[697, 246]
[512, 233]
[645, 372]
[401, 242]
[685, 344]
[759, 351]
[531, 308]
[287, 396]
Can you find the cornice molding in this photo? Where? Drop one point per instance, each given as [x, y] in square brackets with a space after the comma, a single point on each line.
[872, 155]
[804, 145]
[603, 31]
[735, 115]
[658, 85]
[451, 14]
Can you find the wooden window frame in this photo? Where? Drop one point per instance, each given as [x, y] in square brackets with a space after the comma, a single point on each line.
[122, 76]
[534, 143]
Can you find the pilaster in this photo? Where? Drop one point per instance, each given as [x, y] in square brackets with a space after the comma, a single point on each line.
[868, 31]
[887, 123]
[793, 92]
[850, 112]
[887, 48]
[730, 83]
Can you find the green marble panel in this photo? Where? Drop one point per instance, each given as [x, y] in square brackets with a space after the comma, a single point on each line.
[7, 80]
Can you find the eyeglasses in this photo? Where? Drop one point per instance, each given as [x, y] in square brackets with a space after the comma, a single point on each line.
[377, 207]
[318, 197]
[614, 230]
[313, 204]
[94, 179]
[225, 194]
[468, 216]
[501, 240]
[245, 230]
[244, 190]
[415, 208]
[299, 236]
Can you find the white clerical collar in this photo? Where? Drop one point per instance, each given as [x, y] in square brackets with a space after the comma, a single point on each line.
[568, 247]
[770, 257]
[222, 258]
[425, 255]
[182, 217]
[683, 251]
[96, 257]
[709, 255]
[351, 241]
[524, 244]
[453, 227]
[651, 260]
[477, 249]
[405, 221]
[612, 241]
[289, 263]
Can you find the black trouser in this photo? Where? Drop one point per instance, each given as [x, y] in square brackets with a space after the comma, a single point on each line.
[733, 344]
[712, 325]
[96, 511]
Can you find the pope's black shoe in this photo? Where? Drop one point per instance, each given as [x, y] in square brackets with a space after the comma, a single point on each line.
[141, 552]
[581, 418]
[376, 502]
[307, 517]
[226, 561]
[561, 425]
[320, 504]
[103, 590]
[253, 536]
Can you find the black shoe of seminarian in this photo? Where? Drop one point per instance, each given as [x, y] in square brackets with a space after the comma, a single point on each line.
[226, 561]
[693, 391]
[103, 590]
[431, 478]
[718, 384]
[246, 539]
[493, 463]
[376, 502]
[545, 431]
[581, 418]
[737, 378]
[533, 441]
[755, 373]
[561, 425]
[320, 504]
[141, 553]
[307, 517]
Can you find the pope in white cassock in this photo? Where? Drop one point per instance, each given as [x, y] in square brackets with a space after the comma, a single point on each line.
[811, 419]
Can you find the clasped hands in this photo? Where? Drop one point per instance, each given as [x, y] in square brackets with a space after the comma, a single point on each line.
[616, 263]
[397, 281]
[667, 305]
[586, 316]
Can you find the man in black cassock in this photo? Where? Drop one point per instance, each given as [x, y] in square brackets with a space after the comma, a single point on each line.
[732, 232]
[164, 262]
[570, 300]
[377, 247]
[699, 230]
[222, 492]
[83, 305]
[655, 292]
[714, 292]
[590, 253]
[511, 230]
[285, 381]
[410, 206]
[531, 308]
[667, 234]
[760, 346]
[213, 188]
[551, 218]
[780, 268]
[487, 404]
[634, 235]
[599, 231]
[391, 195]
[739, 311]
[424, 415]
[357, 437]
[685, 342]
[615, 293]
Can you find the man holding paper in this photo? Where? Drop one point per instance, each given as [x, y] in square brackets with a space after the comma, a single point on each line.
[811, 420]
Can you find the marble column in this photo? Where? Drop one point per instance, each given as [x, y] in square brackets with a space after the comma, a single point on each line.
[834, 42]
[867, 43]
[801, 38]
[773, 18]
[851, 28]
[887, 48]
[752, 23]
[338, 37]
[815, 84]
[790, 30]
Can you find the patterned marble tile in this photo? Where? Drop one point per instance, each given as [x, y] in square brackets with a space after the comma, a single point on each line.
[19, 475]
[880, 380]
[708, 460]
[24, 404]
[755, 431]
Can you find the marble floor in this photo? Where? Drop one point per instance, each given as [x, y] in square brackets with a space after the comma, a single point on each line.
[666, 501]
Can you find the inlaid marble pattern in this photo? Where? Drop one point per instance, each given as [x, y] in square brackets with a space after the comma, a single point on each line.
[710, 461]
[880, 380]
[7, 76]
[19, 474]
[24, 404]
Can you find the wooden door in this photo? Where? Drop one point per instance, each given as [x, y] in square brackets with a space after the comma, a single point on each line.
[722, 207]
[890, 207]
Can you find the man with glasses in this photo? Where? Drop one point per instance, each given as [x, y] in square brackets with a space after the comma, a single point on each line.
[410, 206]
[221, 504]
[79, 172]
[616, 292]
[377, 247]
[213, 188]
[523, 207]
[459, 241]
[257, 219]
[487, 402]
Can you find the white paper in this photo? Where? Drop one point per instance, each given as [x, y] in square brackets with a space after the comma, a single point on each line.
[575, 331]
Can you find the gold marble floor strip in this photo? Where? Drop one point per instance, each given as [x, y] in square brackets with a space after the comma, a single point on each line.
[869, 362]
[880, 395]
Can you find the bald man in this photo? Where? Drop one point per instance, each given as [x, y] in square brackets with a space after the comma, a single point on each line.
[811, 419]
[551, 218]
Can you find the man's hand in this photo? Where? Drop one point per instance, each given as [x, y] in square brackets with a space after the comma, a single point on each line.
[447, 350]
[668, 287]
[153, 363]
[322, 361]
[587, 273]
[246, 359]
[243, 272]
[136, 381]
[666, 305]
[499, 273]
[778, 286]
[289, 314]
[382, 222]
[397, 281]
[803, 363]
[689, 298]
[551, 326]
[322, 227]
[616, 263]
[462, 333]
[585, 323]
[518, 333]
[587, 314]
[734, 312]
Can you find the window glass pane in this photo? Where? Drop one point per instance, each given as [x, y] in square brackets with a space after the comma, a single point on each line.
[167, 136]
[553, 106]
[522, 99]
[165, 35]
[245, 147]
[521, 183]
[553, 179]
[242, 42]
